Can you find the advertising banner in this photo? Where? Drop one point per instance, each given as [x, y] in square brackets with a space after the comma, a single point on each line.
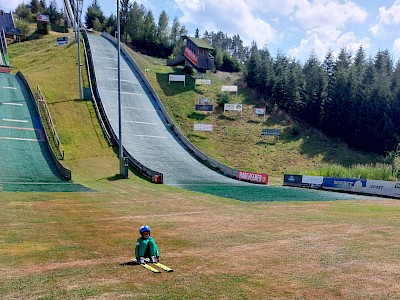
[43, 18]
[233, 107]
[202, 81]
[229, 88]
[191, 56]
[204, 101]
[259, 111]
[312, 181]
[253, 177]
[345, 184]
[292, 180]
[380, 187]
[62, 41]
[270, 132]
[173, 77]
[204, 107]
[203, 127]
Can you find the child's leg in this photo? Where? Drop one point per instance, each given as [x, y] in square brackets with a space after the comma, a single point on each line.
[143, 248]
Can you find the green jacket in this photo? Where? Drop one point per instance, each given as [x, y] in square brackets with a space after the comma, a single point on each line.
[146, 248]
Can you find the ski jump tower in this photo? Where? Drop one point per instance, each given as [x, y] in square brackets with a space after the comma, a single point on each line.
[7, 30]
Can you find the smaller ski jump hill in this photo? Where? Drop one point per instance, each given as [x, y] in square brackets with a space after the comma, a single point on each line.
[27, 162]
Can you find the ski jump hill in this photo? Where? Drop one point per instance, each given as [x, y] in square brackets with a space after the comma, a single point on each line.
[154, 145]
[146, 134]
[27, 162]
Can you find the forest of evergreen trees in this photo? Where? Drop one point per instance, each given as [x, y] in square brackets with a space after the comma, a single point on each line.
[355, 99]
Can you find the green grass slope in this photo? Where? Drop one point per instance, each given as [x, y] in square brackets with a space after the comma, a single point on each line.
[77, 245]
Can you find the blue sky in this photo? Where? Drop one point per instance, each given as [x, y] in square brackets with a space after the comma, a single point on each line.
[294, 27]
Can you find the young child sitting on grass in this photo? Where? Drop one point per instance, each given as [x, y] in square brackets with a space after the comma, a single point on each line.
[146, 247]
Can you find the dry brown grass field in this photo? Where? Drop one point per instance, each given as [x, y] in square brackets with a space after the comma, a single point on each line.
[79, 245]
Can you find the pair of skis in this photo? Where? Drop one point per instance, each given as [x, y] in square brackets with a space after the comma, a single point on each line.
[154, 270]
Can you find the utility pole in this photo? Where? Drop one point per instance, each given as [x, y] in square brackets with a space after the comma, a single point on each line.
[121, 154]
[79, 4]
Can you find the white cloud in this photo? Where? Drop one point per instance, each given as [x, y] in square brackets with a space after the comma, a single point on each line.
[329, 13]
[231, 17]
[320, 40]
[388, 18]
[8, 5]
[283, 7]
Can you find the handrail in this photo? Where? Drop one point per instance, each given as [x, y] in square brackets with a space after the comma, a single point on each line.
[53, 134]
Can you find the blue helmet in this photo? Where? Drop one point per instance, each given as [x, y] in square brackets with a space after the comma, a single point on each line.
[144, 228]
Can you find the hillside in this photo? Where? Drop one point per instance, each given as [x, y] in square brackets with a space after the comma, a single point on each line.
[80, 245]
[236, 139]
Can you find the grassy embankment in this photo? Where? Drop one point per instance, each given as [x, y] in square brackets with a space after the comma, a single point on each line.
[71, 245]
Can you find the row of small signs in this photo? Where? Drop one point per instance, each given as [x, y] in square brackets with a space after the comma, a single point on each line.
[354, 185]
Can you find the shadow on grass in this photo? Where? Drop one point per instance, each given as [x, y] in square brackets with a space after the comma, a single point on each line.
[129, 263]
[197, 116]
[175, 88]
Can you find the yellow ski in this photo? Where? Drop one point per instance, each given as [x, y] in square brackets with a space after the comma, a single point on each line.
[154, 270]
[164, 267]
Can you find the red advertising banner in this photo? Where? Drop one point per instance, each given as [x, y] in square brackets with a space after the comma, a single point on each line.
[253, 177]
[191, 56]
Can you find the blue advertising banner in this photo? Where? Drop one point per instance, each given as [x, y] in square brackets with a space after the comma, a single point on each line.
[294, 180]
[204, 107]
[352, 184]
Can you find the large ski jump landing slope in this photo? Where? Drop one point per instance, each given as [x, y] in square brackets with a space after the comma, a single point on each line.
[147, 138]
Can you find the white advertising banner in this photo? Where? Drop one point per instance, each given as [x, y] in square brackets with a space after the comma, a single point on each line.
[259, 111]
[203, 127]
[173, 77]
[386, 188]
[203, 81]
[234, 107]
[312, 179]
[229, 88]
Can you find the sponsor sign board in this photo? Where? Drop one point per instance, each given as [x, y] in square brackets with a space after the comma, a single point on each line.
[253, 177]
[203, 127]
[385, 188]
[259, 111]
[345, 184]
[190, 55]
[270, 132]
[62, 41]
[295, 180]
[204, 101]
[234, 107]
[43, 18]
[203, 81]
[229, 88]
[204, 107]
[173, 77]
[312, 181]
